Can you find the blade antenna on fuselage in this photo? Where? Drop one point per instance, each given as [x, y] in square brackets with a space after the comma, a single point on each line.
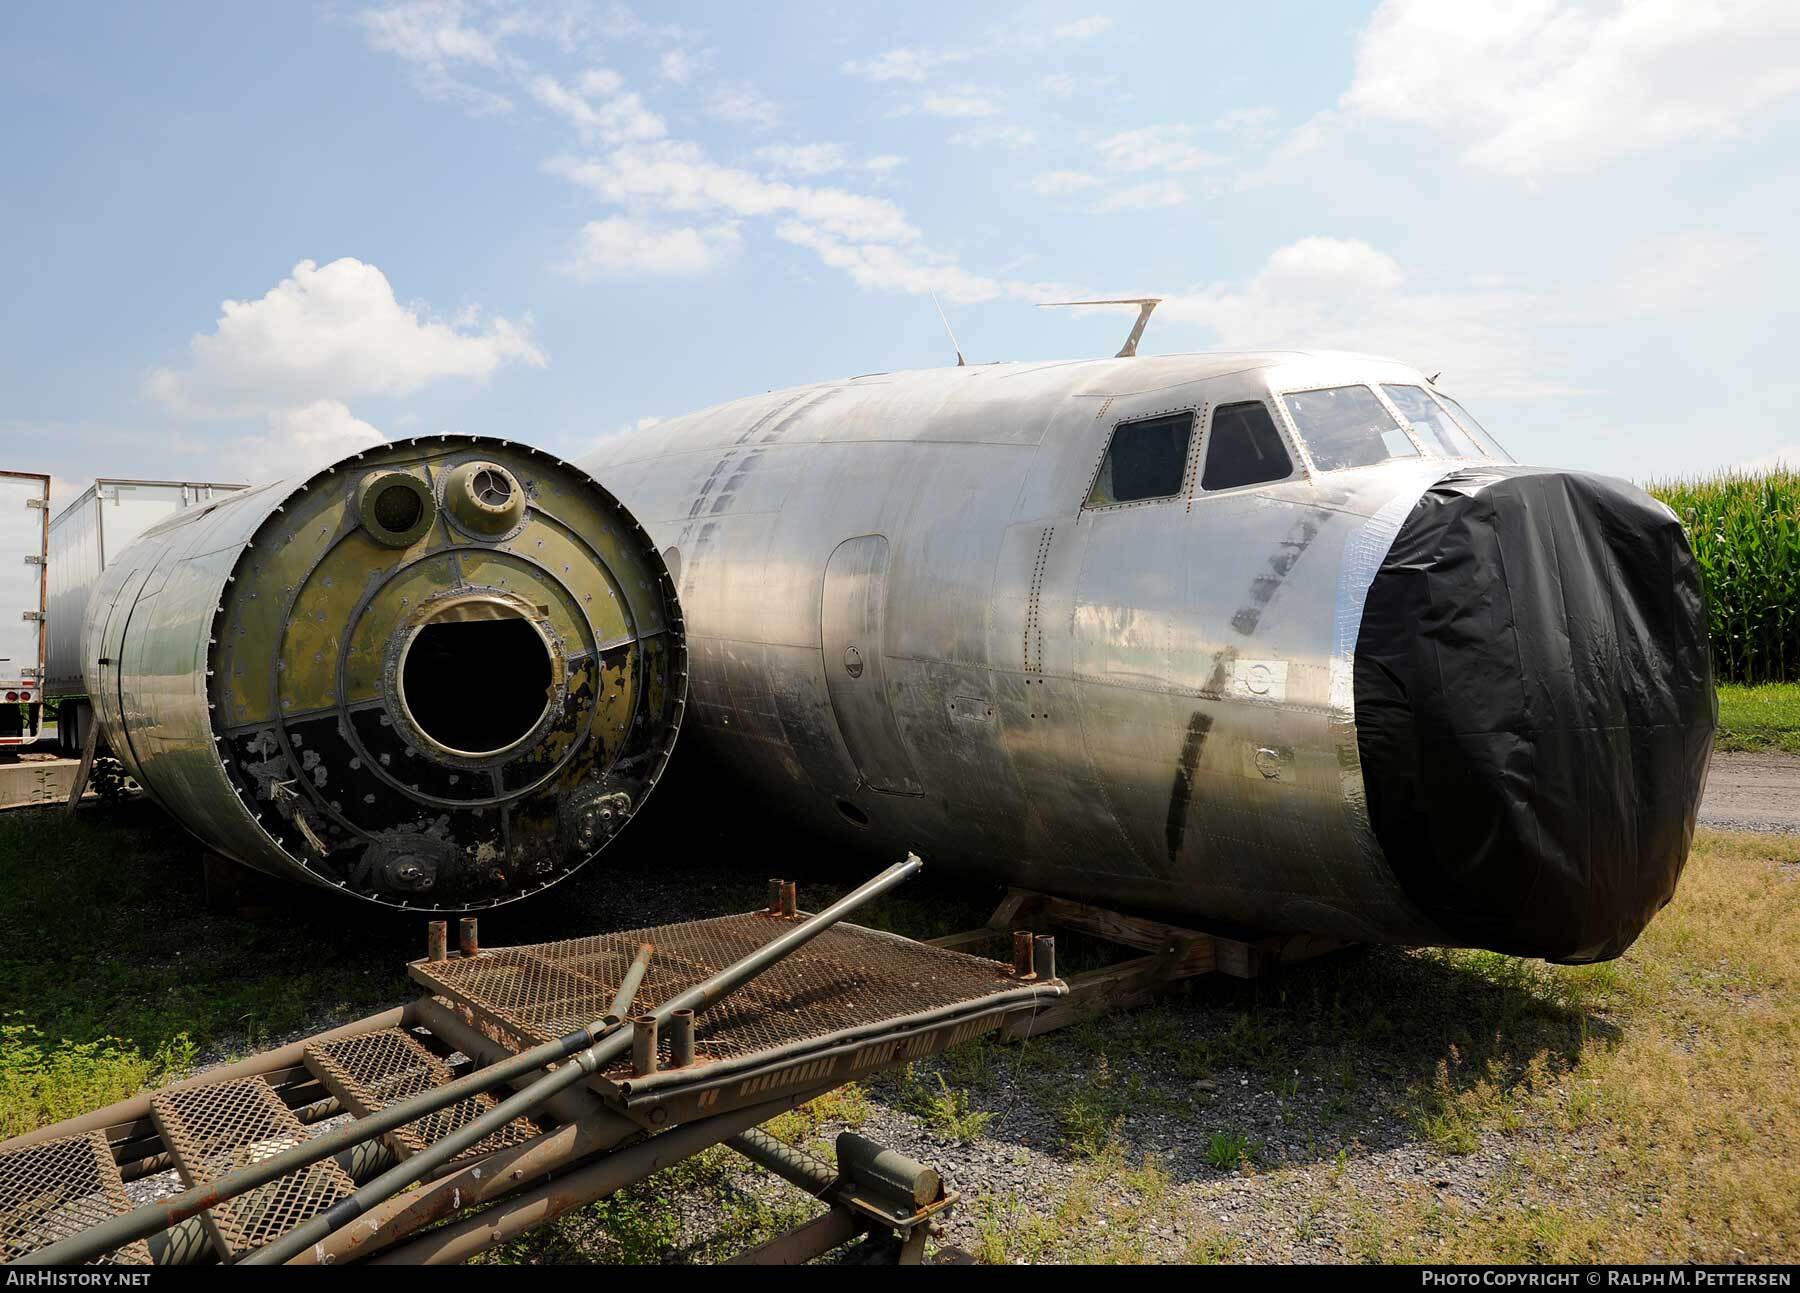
[1145, 304]
[960, 361]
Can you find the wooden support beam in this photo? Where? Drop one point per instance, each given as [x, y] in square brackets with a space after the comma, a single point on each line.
[1172, 952]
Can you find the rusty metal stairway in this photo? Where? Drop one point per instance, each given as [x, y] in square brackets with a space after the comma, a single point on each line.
[213, 1130]
[53, 1189]
[451, 1110]
[373, 1070]
[58, 1188]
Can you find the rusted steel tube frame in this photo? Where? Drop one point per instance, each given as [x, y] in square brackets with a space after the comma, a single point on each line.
[137, 1108]
[681, 1038]
[582, 1064]
[830, 1229]
[1021, 960]
[361, 1161]
[888, 1171]
[567, 1106]
[462, 1240]
[188, 1244]
[633, 980]
[586, 1063]
[723, 1070]
[492, 1177]
[160, 1215]
[643, 1043]
[791, 1163]
[184, 1244]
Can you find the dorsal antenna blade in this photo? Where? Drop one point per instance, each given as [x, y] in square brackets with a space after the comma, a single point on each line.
[1145, 305]
[960, 361]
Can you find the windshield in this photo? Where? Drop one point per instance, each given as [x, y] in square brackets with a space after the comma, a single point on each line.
[1487, 442]
[1432, 424]
[1346, 426]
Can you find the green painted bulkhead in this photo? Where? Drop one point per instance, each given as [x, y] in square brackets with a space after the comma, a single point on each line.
[441, 674]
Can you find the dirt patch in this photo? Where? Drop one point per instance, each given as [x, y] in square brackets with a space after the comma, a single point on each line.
[1752, 792]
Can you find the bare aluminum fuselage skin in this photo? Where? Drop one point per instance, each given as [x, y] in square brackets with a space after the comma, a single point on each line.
[906, 629]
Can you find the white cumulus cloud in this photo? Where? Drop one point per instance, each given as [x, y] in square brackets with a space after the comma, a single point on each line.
[618, 117]
[804, 159]
[811, 160]
[435, 37]
[620, 246]
[679, 65]
[335, 332]
[1542, 87]
[905, 64]
[1344, 294]
[429, 31]
[299, 441]
[740, 104]
[1153, 148]
[679, 176]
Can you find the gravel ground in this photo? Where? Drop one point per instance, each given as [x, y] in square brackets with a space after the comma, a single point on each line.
[1324, 1151]
[1291, 1203]
[1752, 792]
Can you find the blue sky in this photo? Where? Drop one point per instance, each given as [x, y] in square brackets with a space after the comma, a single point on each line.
[245, 239]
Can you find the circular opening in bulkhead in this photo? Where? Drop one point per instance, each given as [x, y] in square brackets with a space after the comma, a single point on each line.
[476, 678]
[484, 499]
[492, 486]
[395, 507]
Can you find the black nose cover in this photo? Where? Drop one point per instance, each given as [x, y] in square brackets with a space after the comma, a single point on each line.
[1535, 711]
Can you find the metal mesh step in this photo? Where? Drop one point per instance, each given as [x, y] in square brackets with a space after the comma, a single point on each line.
[846, 976]
[58, 1188]
[213, 1130]
[371, 1071]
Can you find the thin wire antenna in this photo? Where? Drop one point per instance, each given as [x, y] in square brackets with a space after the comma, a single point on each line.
[1145, 304]
[960, 361]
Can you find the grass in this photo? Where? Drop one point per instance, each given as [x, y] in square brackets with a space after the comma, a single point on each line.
[116, 975]
[947, 1111]
[1641, 1110]
[1765, 716]
[1098, 1218]
[119, 975]
[1228, 1150]
[638, 1226]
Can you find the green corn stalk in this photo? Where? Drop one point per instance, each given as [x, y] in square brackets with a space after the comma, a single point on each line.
[1745, 530]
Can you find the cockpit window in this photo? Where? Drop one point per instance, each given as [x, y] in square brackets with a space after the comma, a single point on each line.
[1346, 426]
[1145, 460]
[1490, 446]
[1244, 448]
[1432, 424]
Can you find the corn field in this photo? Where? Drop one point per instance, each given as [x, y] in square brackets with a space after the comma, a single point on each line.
[1746, 533]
